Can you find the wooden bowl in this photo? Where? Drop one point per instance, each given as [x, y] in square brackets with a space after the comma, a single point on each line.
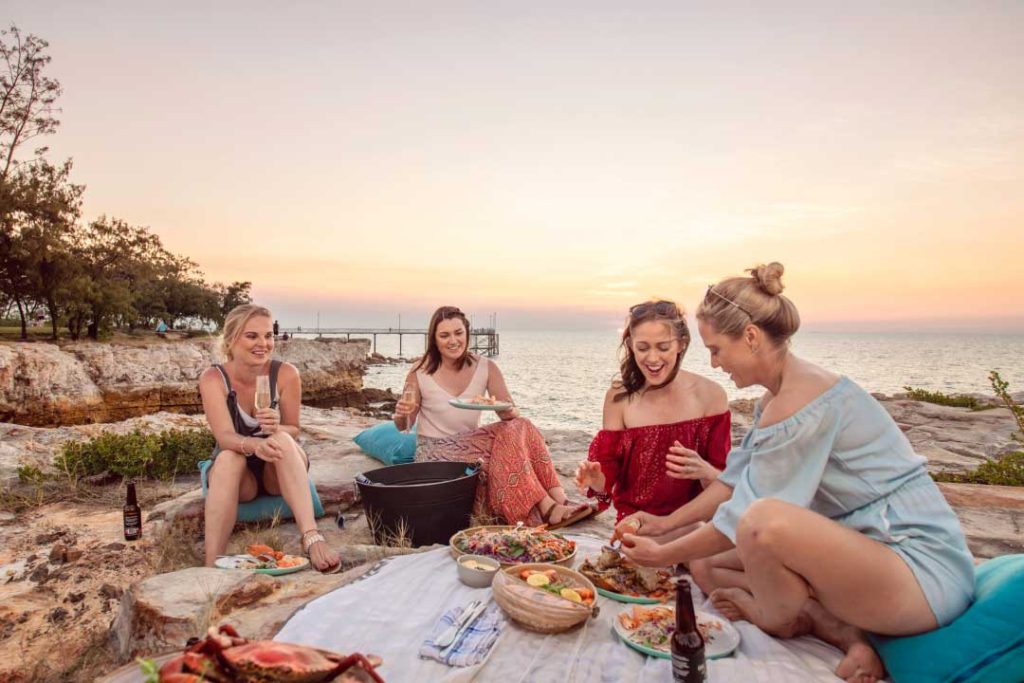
[537, 609]
[457, 553]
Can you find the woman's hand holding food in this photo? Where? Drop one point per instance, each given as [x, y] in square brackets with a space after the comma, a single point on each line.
[643, 551]
[589, 475]
[640, 524]
[682, 463]
[269, 419]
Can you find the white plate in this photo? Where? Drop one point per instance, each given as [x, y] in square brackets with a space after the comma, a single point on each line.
[248, 562]
[719, 643]
[466, 405]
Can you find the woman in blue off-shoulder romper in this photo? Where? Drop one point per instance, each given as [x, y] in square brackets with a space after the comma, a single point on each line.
[837, 527]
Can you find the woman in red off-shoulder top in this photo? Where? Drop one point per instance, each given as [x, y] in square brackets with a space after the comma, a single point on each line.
[666, 431]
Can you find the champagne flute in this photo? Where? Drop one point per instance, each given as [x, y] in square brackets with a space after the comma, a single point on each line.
[262, 393]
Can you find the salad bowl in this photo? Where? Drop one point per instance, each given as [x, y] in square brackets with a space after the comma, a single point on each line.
[563, 600]
[514, 545]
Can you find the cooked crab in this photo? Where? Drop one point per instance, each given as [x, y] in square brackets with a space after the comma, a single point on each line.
[225, 656]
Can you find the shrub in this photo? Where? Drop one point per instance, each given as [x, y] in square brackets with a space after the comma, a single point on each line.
[136, 455]
[939, 398]
[1001, 387]
[1006, 471]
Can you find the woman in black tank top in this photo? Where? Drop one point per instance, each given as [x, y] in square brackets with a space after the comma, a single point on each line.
[256, 452]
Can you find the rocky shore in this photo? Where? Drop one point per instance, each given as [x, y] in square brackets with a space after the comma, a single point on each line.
[44, 384]
[76, 600]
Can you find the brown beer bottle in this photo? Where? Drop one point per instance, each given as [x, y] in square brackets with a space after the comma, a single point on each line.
[688, 665]
[132, 516]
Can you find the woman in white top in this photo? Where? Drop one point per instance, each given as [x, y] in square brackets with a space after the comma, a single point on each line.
[256, 451]
[520, 483]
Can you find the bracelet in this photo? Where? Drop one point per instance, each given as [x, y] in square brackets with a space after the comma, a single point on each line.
[241, 444]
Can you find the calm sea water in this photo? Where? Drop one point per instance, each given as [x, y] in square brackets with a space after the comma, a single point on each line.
[559, 378]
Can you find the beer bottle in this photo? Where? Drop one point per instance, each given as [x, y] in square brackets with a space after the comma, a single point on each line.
[132, 516]
[688, 664]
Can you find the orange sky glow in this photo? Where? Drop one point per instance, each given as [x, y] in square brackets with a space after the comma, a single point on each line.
[559, 163]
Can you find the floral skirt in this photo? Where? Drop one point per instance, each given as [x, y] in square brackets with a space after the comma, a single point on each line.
[516, 470]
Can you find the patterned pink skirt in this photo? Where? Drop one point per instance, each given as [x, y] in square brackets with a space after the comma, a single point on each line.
[516, 469]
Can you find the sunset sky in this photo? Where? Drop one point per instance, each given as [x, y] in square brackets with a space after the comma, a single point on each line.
[556, 162]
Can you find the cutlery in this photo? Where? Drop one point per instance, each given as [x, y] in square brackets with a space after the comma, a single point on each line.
[476, 612]
[448, 637]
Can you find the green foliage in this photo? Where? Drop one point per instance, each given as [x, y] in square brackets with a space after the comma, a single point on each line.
[939, 398]
[1001, 387]
[30, 474]
[149, 669]
[136, 455]
[1006, 471]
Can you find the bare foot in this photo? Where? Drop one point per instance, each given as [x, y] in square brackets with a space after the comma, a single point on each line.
[322, 557]
[737, 604]
[731, 602]
[861, 664]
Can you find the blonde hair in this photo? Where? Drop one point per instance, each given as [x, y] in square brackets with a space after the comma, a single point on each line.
[234, 324]
[736, 302]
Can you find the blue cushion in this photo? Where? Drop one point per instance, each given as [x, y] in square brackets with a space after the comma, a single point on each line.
[985, 644]
[387, 444]
[263, 508]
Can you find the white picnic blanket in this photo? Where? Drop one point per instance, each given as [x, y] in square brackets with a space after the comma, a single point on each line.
[391, 612]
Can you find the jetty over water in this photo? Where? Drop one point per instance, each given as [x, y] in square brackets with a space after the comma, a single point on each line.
[482, 340]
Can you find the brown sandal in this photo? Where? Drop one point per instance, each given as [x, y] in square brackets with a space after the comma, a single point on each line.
[311, 538]
[582, 511]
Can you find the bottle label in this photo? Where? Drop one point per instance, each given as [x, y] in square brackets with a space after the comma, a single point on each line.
[132, 524]
[689, 669]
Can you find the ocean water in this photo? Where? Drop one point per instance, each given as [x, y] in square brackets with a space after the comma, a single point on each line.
[559, 379]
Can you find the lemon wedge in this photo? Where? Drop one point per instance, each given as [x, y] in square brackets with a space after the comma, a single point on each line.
[537, 580]
[570, 594]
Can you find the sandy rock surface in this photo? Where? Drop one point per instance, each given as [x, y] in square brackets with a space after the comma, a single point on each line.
[65, 564]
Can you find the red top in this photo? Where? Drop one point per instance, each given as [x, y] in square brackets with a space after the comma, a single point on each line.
[633, 462]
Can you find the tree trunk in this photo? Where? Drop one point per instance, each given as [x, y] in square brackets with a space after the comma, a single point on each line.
[51, 306]
[93, 331]
[21, 312]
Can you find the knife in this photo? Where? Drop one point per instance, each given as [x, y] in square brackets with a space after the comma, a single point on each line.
[477, 611]
[448, 637]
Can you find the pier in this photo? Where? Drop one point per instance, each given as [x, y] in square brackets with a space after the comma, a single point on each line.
[482, 340]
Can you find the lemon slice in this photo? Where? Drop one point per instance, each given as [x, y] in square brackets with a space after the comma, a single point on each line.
[538, 580]
[570, 594]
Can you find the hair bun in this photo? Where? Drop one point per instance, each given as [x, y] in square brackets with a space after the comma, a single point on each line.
[769, 277]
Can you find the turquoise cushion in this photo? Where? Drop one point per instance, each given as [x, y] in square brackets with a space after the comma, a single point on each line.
[985, 644]
[263, 508]
[387, 444]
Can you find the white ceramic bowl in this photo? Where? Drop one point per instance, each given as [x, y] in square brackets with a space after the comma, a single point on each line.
[477, 577]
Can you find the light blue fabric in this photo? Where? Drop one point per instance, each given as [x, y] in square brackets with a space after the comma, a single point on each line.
[844, 457]
[984, 645]
[385, 443]
[263, 508]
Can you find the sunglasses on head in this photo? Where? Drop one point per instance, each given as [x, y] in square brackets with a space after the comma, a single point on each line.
[451, 312]
[711, 290]
[665, 308]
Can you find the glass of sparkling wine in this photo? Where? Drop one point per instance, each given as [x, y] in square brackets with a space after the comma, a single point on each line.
[262, 392]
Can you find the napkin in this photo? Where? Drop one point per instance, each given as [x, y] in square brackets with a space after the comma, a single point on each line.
[473, 643]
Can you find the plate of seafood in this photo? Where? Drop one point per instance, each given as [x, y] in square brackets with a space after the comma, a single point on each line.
[263, 559]
[649, 630]
[480, 403]
[511, 545]
[617, 578]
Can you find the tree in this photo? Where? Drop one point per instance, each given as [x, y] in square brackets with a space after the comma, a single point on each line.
[27, 110]
[28, 97]
[235, 294]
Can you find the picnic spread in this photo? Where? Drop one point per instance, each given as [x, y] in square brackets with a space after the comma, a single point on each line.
[408, 611]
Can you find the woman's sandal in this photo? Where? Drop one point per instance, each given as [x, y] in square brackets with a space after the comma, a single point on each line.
[311, 538]
[582, 511]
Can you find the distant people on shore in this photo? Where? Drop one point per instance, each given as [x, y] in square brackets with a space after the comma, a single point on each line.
[161, 328]
[521, 482]
[256, 453]
[277, 329]
[825, 520]
[666, 431]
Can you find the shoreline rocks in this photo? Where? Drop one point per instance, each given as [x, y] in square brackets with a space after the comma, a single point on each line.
[44, 384]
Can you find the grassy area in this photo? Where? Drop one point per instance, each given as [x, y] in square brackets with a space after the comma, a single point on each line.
[136, 455]
[939, 398]
[1006, 471]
